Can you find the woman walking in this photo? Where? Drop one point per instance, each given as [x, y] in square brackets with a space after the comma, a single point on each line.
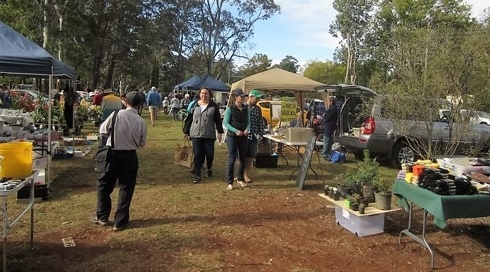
[201, 124]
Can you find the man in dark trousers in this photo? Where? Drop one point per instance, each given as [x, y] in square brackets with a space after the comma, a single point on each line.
[130, 133]
[329, 121]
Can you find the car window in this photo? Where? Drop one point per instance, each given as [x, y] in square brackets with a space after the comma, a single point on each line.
[266, 105]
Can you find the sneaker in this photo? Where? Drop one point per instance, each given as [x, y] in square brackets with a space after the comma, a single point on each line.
[196, 179]
[230, 187]
[116, 228]
[99, 221]
[210, 173]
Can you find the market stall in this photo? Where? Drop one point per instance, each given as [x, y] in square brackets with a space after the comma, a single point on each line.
[276, 80]
[23, 57]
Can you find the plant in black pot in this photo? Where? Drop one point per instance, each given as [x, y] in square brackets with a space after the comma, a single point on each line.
[382, 193]
[359, 179]
[367, 172]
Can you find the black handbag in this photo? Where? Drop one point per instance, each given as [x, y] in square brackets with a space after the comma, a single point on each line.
[105, 153]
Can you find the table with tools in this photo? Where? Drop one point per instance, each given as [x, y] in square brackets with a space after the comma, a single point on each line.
[441, 207]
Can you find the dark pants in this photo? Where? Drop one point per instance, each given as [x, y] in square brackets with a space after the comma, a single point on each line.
[237, 147]
[327, 146]
[123, 169]
[202, 148]
[68, 113]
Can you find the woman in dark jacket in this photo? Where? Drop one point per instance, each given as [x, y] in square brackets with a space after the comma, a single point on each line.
[237, 123]
[201, 124]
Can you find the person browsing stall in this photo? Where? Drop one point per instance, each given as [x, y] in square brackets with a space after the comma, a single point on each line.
[130, 133]
[237, 123]
[329, 121]
[256, 131]
[201, 124]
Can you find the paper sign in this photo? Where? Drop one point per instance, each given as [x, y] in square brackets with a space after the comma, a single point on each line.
[288, 111]
[68, 242]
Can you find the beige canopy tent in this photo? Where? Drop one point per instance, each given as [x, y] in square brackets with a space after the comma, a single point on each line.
[278, 80]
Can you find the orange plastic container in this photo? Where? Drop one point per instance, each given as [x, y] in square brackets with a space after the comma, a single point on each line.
[418, 169]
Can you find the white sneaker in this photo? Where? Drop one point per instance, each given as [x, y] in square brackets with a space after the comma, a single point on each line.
[230, 187]
[241, 183]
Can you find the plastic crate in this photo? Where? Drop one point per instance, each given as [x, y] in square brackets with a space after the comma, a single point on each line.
[40, 191]
[360, 225]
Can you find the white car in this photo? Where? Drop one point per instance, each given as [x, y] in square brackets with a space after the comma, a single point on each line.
[479, 117]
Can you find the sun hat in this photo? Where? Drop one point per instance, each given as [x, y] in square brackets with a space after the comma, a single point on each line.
[256, 93]
[239, 92]
[108, 91]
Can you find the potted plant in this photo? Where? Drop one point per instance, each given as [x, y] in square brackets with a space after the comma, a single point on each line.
[361, 177]
[382, 193]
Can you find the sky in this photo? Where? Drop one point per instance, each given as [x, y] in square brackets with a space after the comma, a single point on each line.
[301, 31]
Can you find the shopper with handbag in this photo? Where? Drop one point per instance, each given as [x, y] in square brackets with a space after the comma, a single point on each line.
[200, 125]
[126, 136]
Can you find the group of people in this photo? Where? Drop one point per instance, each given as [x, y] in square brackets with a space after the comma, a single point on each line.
[244, 128]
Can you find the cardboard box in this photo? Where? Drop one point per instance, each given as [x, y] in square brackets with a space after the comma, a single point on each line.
[40, 179]
[264, 149]
[298, 134]
[74, 141]
[39, 163]
[359, 225]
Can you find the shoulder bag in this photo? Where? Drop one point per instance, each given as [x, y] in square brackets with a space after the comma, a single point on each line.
[105, 153]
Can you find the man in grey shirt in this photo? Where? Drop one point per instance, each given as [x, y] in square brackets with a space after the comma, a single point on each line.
[130, 132]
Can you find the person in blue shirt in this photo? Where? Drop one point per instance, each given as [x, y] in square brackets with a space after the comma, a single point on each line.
[153, 100]
[193, 102]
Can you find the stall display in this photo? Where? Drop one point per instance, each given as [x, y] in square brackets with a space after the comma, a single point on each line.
[369, 223]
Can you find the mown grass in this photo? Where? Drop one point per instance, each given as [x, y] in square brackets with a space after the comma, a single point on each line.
[174, 221]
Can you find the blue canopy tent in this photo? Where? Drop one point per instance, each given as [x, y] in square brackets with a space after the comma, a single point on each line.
[210, 82]
[23, 57]
[191, 81]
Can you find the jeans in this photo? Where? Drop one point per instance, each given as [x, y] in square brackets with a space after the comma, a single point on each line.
[123, 169]
[202, 148]
[327, 146]
[237, 147]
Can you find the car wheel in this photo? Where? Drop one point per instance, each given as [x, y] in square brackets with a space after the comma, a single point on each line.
[403, 153]
[359, 155]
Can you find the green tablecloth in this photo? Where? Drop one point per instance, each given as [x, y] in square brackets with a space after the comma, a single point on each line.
[442, 207]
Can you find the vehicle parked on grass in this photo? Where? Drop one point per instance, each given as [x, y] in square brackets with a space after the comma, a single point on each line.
[363, 124]
[271, 112]
[28, 93]
[479, 117]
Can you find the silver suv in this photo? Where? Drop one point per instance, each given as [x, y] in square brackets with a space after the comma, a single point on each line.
[363, 125]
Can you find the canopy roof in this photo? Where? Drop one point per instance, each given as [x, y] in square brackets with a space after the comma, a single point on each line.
[21, 56]
[191, 81]
[196, 83]
[276, 79]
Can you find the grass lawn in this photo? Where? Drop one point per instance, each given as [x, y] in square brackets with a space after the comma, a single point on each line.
[176, 225]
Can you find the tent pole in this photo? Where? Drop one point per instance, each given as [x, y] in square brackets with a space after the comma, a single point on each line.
[50, 107]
